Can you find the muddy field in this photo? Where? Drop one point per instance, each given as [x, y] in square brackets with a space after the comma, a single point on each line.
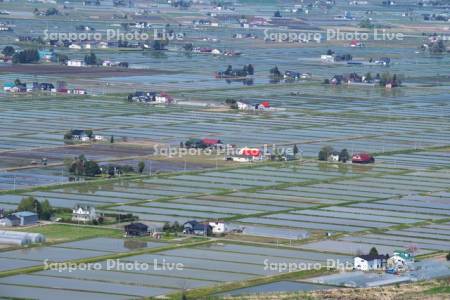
[86, 72]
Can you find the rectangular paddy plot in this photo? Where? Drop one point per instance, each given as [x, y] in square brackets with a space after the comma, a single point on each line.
[206, 265]
[35, 256]
[426, 239]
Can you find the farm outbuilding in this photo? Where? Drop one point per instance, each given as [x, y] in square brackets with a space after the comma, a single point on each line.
[20, 238]
[27, 217]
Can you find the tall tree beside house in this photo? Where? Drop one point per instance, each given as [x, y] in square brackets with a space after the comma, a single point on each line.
[17, 82]
[295, 150]
[188, 47]
[344, 156]
[68, 135]
[250, 70]
[90, 59]
[111, 140]
[46, 210]
[277, 14]
[61, 58]
[89, 133]
[159, 44]
[8, 51]
[141, 166]
[325, 152]
[373, 251]
[91, 168]
[275, 72]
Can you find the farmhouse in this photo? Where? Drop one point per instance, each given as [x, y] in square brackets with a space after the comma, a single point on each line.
[370, 262]
[247, 155]
[211, 143]
[150, 97]
[218, 227]
[362, 158]
[255, 105]
[78, 134]
[136, 229]
[197, 228]
[75, 63]
[83, 213]
[26, 217]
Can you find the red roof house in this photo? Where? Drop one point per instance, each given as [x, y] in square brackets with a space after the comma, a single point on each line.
[211, 142]
[362, 158]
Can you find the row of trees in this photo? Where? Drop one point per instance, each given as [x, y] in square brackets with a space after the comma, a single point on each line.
[44, 210]
[26, 56]
[80, 166]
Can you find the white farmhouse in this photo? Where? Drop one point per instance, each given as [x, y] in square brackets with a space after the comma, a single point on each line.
[370, 262]
[75, 63]
[218, 227]
[83, 213]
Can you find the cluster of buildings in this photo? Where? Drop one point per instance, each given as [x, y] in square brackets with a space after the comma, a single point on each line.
[106, 63]
[21, 218]
[83, 135]
[394, 264]
[215, 51]
[206, 228]
[203, 143]
[151, 97]
[248, 105]
[23, 87]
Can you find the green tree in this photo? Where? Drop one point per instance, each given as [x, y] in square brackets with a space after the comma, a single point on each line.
[61, 58]
[68, 135]
[250, 70]
[27, 56]
[295, 149]
[91, 168]
[188, 47]
[277, 14]
[111, 140]
[141, 166]
[159, 44]
[89, 133]
[325, 152]
[46, 210]
[51, 12]
[369, 77]
[90, 59]
[8, 51]
[29, 204]
[448, 256]
[344, 156]
[373, 251]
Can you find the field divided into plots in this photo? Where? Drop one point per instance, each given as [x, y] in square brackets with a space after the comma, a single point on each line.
[424, 239]
[352, 123]
[17, 259]
[311, 196]
[380, 202]
[201, 266]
